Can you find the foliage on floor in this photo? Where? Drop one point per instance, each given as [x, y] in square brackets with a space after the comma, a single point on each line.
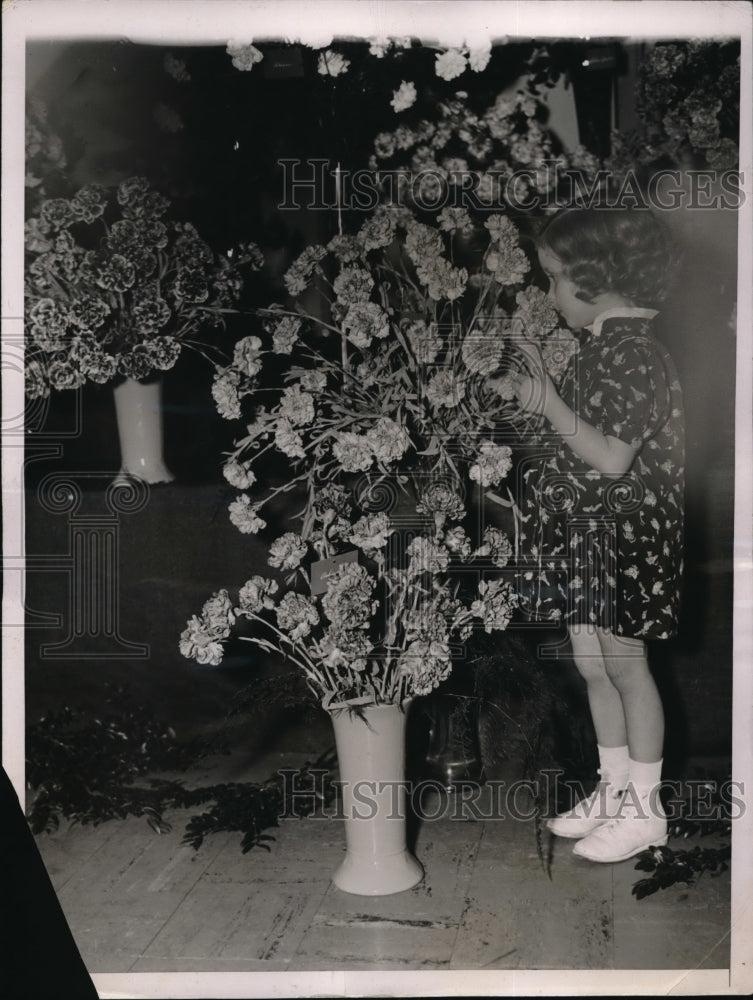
[86, 769]
[669, 866]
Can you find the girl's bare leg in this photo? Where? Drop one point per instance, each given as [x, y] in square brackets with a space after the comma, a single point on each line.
[629, 674]
[604, 698]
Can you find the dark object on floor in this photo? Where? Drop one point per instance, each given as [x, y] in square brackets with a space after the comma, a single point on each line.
[40, 958]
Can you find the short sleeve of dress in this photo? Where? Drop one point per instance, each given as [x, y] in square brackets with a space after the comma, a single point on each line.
[633, 398]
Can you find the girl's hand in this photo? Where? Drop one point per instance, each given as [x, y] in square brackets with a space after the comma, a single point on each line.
[533, 386]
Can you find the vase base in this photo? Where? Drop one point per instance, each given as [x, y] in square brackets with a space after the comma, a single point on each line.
[152, 475]
[362, 876]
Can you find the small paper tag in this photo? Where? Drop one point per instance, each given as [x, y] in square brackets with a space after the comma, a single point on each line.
[320, 569]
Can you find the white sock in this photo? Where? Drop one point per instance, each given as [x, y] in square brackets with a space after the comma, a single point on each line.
[644, 777]
[614, 765]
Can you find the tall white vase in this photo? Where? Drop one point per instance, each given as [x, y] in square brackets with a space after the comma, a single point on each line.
[371, 756]
[138, 407]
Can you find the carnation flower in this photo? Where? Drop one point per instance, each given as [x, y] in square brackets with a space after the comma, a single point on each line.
[443, 281]
[352, 451]
[404, 97]
[62, 375]
[331, 63]
[370, 533]
[239, 474]
[285, 335]
[450, 64]
[287, 551]
[378, 47]
[196, 643]
[440, 498]
[508, 263]
[377, 232]
[244, 516]
[225, 393]
[364, 321]
[98, 366]
[164, 352]
[534, 312]
[496, 545]
[426, 557]
[137, 363]
[88, 203]
[388, 440]
[445, 389]
[422, 242]
[296, 615]
[255, 595]
[353, 284]
[451, 219]
[246, 356]
[288, 440]
[217, 613]
[478, 59]
[502, 229]
[297, 407]
[426, 665]
[244, 57]
[342, 647]
[300, 271]
[492, 465]
[348, 599]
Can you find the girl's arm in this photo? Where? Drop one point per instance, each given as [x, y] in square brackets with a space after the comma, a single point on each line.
[537, 394]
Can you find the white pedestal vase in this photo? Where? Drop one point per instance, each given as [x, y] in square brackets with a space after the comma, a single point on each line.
[138, 407]
[371, 756]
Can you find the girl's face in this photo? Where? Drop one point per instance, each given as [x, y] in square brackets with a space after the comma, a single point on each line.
[563, 294]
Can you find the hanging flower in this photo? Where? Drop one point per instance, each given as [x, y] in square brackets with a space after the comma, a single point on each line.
[225, 393]
[445, 390]
[332, 63]
[255, 595]
[239, 474]
[426, 556]
[244, 56]
[244, 516]
[450, 64]
[287, 551]
[288, 440]
[441, 498]
[496, 546]
[297, 407]
[246, 356]
[404, 97]
[478, 59]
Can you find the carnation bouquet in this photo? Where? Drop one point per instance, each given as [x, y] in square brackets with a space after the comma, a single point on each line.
[407, 367]
[369, 627]
[113, 289]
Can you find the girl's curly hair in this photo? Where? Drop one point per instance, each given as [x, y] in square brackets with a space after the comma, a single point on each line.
[624, 250]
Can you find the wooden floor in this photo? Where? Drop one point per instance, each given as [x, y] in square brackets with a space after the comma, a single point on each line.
[142, 903]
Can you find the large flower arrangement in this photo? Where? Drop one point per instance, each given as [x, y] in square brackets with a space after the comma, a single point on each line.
[114, 289]
[379, 632]
[408, 368]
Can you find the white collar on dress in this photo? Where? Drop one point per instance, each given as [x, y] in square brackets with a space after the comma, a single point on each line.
[620, 311]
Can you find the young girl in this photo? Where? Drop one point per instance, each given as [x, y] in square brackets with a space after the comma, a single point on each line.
[606, 506]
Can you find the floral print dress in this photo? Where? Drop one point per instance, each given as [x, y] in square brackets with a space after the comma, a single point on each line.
[603, 549]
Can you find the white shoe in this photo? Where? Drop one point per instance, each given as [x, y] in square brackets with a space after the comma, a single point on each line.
[589, 814]
[623, 838]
